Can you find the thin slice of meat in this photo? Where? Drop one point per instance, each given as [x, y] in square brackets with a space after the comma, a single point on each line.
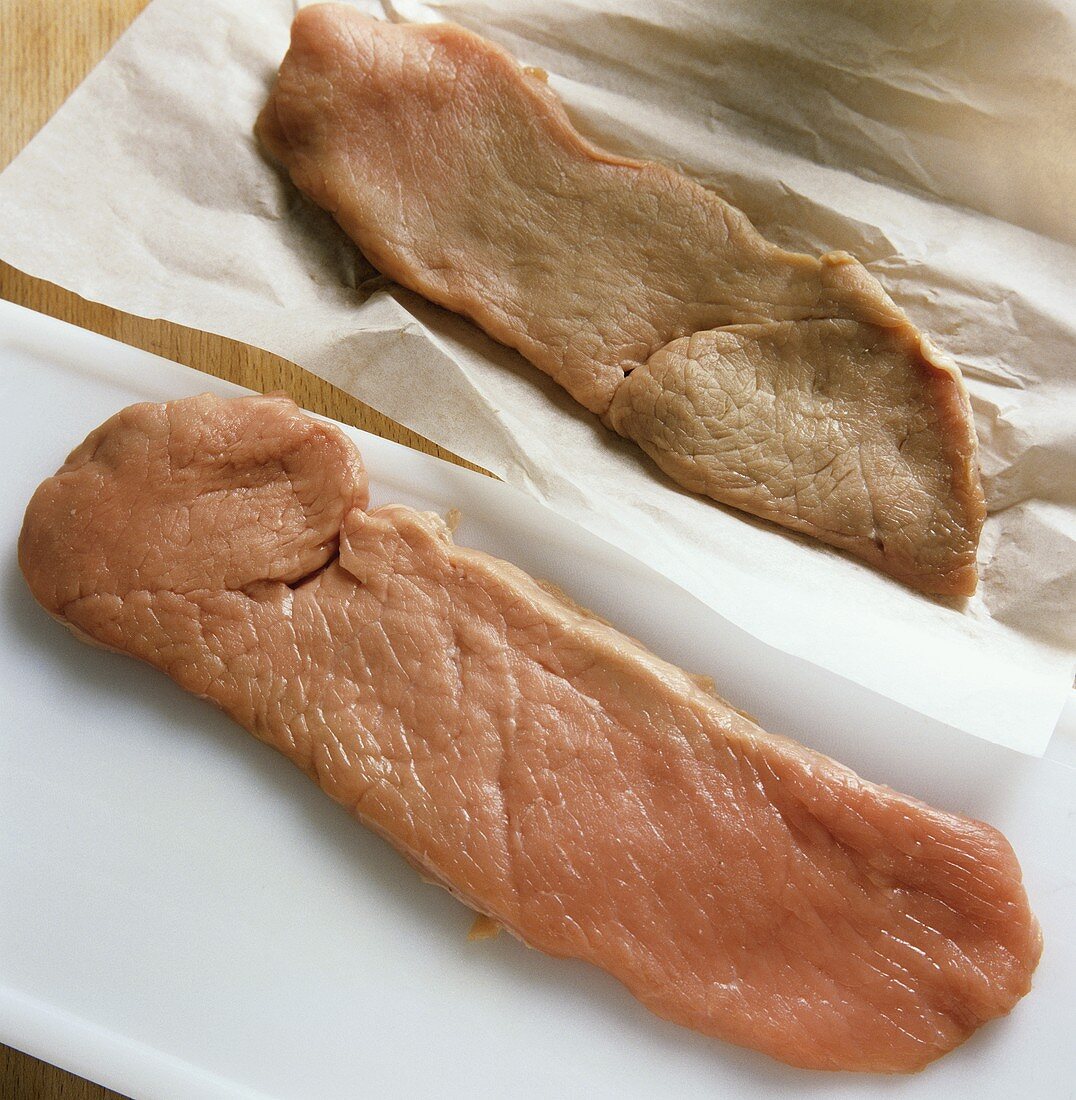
[787, 386]
[546, 769]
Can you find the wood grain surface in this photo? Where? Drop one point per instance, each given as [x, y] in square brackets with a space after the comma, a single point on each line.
[46, 48]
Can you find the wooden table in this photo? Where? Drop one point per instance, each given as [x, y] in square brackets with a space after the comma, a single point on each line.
[46, 48]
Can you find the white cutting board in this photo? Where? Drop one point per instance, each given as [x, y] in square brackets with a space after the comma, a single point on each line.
[183, 914]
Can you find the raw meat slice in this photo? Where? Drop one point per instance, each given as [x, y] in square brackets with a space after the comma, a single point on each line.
[787, 386]
[549, 771]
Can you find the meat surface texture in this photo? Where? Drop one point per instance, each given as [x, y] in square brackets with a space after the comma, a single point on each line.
[546, 769]
[784, 385]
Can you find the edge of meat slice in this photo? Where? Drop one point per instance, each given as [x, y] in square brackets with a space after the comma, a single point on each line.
[788, 386]
[546, 769]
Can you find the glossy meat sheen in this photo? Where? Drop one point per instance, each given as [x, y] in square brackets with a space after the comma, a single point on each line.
[788, 386]
[543, 767]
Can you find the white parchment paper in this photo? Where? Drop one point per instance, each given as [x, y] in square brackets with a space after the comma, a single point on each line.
[933, 142]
